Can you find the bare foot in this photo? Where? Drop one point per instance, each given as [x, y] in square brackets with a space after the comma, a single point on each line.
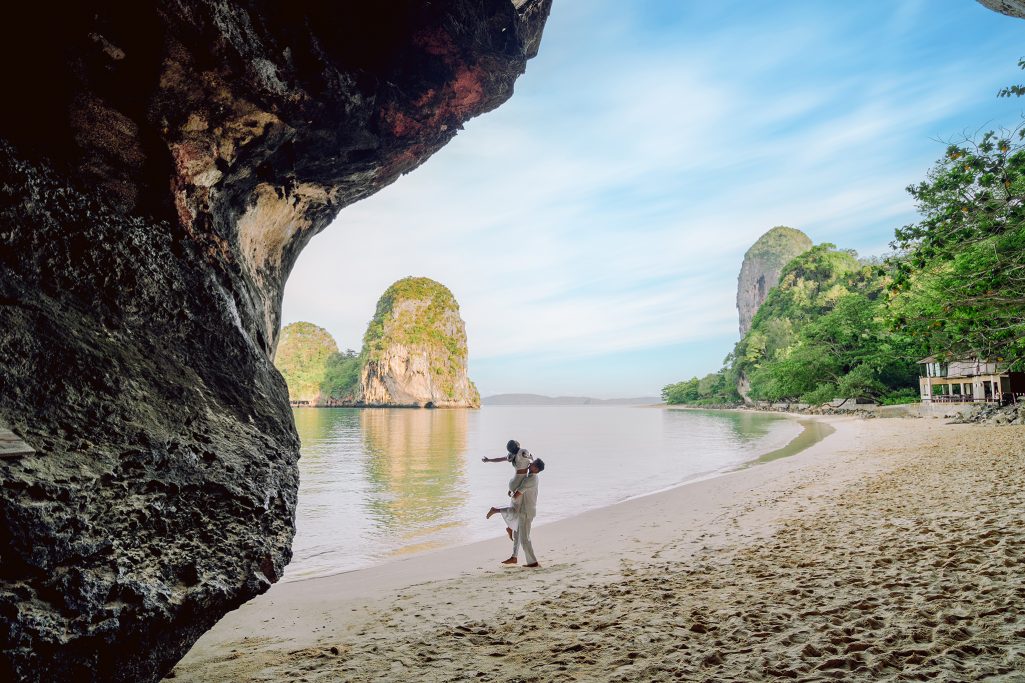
[511, 560]
[533, 565]
[509, 531]
[492, 511]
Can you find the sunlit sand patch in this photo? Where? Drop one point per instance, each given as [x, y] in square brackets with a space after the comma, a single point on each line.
[907, 570]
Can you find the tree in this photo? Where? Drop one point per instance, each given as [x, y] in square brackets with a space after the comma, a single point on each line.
[959, 275]
[823, 333]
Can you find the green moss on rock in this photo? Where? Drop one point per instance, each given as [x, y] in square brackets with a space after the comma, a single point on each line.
[763, 264]
[415, 350]
[315, 371]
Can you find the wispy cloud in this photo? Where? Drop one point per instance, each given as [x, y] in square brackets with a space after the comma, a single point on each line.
[604, 210]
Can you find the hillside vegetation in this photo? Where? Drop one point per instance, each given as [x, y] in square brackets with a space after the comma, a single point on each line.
[954, 288]
[315, 371]
[822, 333]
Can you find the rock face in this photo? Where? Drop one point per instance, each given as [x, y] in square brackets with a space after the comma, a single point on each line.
[161, 170]
[1012, 8]
[415, 349]
[761, 268]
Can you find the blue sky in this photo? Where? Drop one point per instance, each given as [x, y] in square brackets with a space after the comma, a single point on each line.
[592, 227]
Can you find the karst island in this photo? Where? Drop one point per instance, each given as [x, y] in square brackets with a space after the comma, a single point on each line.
[414, 355]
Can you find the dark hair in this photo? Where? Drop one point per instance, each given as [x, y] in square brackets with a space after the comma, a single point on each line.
[540, 464]
[513, 446]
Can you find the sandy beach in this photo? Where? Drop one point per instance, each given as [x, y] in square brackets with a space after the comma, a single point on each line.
[891, 550]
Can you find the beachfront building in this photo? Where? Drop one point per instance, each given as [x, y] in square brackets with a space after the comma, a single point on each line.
[969, 381]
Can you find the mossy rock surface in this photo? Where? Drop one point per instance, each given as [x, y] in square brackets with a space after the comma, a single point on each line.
[763, 264]
[302, 359]
[415, 349]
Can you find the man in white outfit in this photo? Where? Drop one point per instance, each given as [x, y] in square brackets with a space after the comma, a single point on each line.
[526, 491]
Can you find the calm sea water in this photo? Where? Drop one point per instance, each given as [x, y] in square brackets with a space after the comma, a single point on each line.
[381, 483]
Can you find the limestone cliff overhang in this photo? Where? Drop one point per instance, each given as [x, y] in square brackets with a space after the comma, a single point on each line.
[249, 125]
[162, 164]
[1012, 8]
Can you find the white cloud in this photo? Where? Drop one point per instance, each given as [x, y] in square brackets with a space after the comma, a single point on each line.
[607, 206]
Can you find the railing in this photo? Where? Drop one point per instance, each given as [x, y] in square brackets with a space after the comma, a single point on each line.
[963, 398]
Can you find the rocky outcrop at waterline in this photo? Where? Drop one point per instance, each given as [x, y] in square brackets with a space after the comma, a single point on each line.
[161, 167]
[762, 265]
[415, 350]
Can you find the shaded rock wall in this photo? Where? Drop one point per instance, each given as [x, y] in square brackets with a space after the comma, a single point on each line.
[161, 166]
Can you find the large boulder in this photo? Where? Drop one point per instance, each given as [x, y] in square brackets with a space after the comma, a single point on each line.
[415, 350]
[762, 265]
[161, 167]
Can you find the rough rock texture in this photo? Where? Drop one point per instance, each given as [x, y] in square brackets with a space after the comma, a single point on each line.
[161, 166]
[415, 349]
[1012, 8]
[1013, 414]
[302, 357]
[761, 268]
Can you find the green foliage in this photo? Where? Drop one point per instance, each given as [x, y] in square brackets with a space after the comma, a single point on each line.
[959, 275]
[822, 333]
[901, 397]
[419, 312]
[308, 359]
[302, 358]
[341, 377]
[1014, 90]
[713, 389]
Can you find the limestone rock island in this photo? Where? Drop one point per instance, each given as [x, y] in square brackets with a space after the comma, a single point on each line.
[317, 374]
[415, 351]
[301, 358]
[761, 268]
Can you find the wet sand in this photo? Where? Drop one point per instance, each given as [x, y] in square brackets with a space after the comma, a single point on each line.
[892, 550]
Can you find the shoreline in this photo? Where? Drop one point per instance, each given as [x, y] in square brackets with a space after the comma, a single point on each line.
[286, 601]
[688, 578]
[814, 429]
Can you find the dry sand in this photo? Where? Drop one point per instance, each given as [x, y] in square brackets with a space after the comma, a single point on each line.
[893, 550]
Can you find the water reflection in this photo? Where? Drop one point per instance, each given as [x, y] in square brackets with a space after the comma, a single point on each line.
[742, 426]
[314, 424]
[375, 483]
[416, 468]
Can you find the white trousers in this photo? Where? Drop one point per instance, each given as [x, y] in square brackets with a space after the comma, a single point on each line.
[522, 538]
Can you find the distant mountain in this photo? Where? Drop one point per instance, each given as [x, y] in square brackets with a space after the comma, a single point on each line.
[539, 400]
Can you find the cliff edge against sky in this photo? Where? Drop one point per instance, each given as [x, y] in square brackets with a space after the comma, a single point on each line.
[160, 171]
